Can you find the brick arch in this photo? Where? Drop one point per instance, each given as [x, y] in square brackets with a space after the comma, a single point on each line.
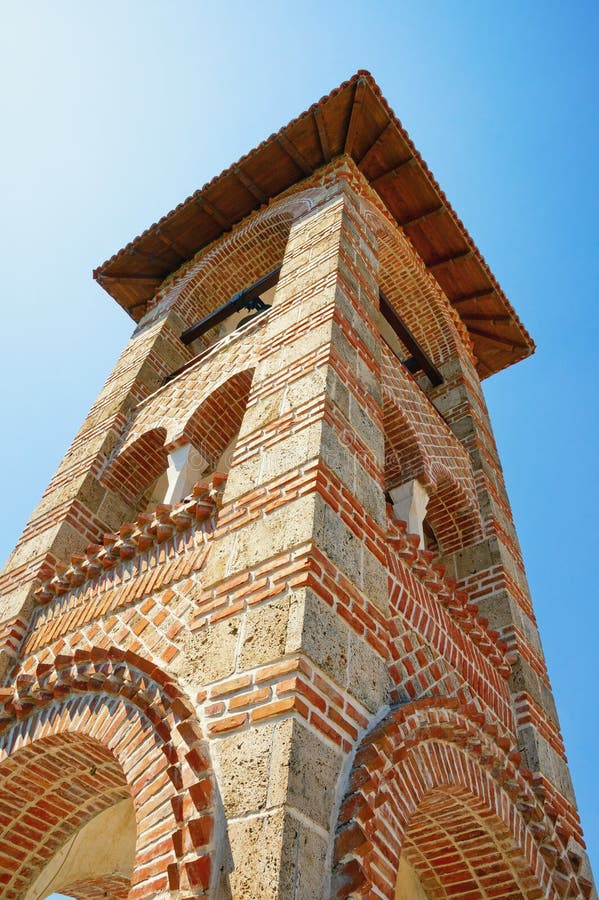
[431, 779]
[255, 247]
[420, 444]
[114, 887]
[444, 821]
[134, 734]
[452, 512]
[414, 292]
[216, 421]
[61, 780]
[137, 466]
[419, 669]
[405, 455]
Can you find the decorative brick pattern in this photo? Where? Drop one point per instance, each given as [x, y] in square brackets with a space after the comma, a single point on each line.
[272, 619]
[132, 732]
[467, 819]
[293, 685]
[138, 466]
[11, 635]
[419, 444]
[177, 409]
[116, 887]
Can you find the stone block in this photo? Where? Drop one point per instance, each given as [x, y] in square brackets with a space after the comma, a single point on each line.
[524, 679]
[243, 477]
[256, 845]
[474, 559]
[291, 453]
[261, 411]
[32, 547]
[304, 389]
[338, 392]
[370, 493]
[292, 351]
[345, 351]
[539, 756]
[271, 630]
[368, 678]
[502, 611]
[374, 581]
[113, 510]
[209, 654]
[304, 862]
[337, 453]
[313, 772]
[369, 380]
[370, 432]
[326, 638]
[347, 659]
[243, 764]
[341, 545]
[18, 602]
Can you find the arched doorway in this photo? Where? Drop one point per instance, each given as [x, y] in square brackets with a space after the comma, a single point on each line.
[435, 808]
[72, 826]
[454, 846]
[103, 741]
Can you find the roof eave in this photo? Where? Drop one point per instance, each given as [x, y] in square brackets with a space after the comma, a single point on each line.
[355, 120]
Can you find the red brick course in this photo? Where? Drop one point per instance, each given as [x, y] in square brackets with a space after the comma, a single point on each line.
[462, 810]
[94, 710]
[134, 734]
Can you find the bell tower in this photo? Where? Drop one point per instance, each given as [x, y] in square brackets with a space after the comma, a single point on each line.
[268, 632]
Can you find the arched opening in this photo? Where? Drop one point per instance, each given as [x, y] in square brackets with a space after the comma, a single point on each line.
[453, 847]
[82, 738]
[213, 427]
[72, 827]
[414, 292]
[96, 862]
[453, 519]
[134, 472]
[431, 541]
[146, 472]
[404, 455]
[207, 442]
[435, 808]
[253, 249]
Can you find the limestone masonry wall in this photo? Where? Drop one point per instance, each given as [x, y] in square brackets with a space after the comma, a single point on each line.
[268, 685]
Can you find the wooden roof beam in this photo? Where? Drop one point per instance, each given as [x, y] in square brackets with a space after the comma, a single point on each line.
[506, 342]
[322, 134]
[292, 151]
[170, 242]
[364, 159]
[354, 119]
[250, 185]
[123, 279]
[455, 257]
[390, 173]
[140, 304]
[472, 298]
[480, 317]
[151, 257]
[213, 212]
[423, 217]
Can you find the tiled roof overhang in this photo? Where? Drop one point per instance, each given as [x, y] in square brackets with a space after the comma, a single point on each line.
[354, 120]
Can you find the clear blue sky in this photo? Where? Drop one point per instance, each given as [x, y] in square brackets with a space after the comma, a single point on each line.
[112, 113]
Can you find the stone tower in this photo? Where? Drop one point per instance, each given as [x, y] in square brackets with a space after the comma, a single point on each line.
[268, 633]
